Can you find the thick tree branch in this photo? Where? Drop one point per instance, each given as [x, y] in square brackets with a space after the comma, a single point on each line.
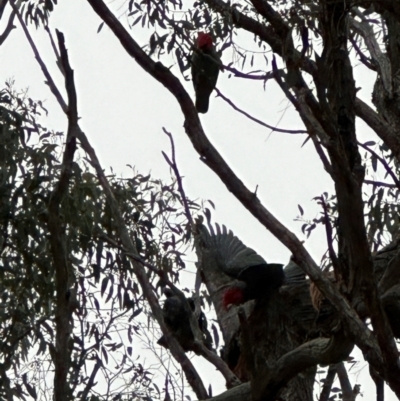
[238, 393]
[383, 129]
[318, 351]
[381, 60]
[391, 276]
[357, 268]
[57, 228]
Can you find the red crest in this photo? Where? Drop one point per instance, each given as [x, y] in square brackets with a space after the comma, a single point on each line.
[204, 41]
[233, 296]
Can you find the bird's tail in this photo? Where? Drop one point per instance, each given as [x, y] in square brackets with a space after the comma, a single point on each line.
[202, 104]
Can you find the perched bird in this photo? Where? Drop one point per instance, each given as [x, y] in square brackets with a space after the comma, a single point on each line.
[260, 281]
[205, 69]
[255, 278]
[254, 282]
[177, 320]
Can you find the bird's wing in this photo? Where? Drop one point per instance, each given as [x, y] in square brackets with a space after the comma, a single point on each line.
[232, 255]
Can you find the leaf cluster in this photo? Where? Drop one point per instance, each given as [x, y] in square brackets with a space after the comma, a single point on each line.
[106, 299]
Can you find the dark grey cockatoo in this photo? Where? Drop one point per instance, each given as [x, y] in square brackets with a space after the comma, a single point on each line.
[177, 319]
[256, 278]
[206, 64]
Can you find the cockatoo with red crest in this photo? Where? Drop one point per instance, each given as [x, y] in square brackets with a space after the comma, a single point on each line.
[254, 277]
[206, 64]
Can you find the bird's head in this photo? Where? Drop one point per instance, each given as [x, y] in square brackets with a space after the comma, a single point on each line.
[204, 41]
[234, 296]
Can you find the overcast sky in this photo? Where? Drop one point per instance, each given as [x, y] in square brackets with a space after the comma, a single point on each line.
[123, 110]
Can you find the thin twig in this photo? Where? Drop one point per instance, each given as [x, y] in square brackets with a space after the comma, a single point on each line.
[329, 238]
[249, 75]
[175, 169]
[286, 131]
[363, 58]
[45, 71]
[53, 45]
[379, 184]
[384, 164]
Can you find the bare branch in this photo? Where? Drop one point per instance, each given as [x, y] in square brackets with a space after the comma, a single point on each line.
[63, 276]
[174, 167]
[347, 390]
[248, 75]
[329, 237]
[54, 47]
[379, 184]
[380, 59]
[45, 71]
[286, 131]
[326, 389]
[384, 164]
[382, 128]
[10, 26]
[321, 350]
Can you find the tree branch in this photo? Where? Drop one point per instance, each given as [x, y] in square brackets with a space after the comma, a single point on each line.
[271, 127]
[174, 167]
[57, 228]
[45, 71]
[347, 391]
[379, 184]
[326, 389]
[10, 26]
[318, 351]
[384, 130]
[384, 164]
[380, 59]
